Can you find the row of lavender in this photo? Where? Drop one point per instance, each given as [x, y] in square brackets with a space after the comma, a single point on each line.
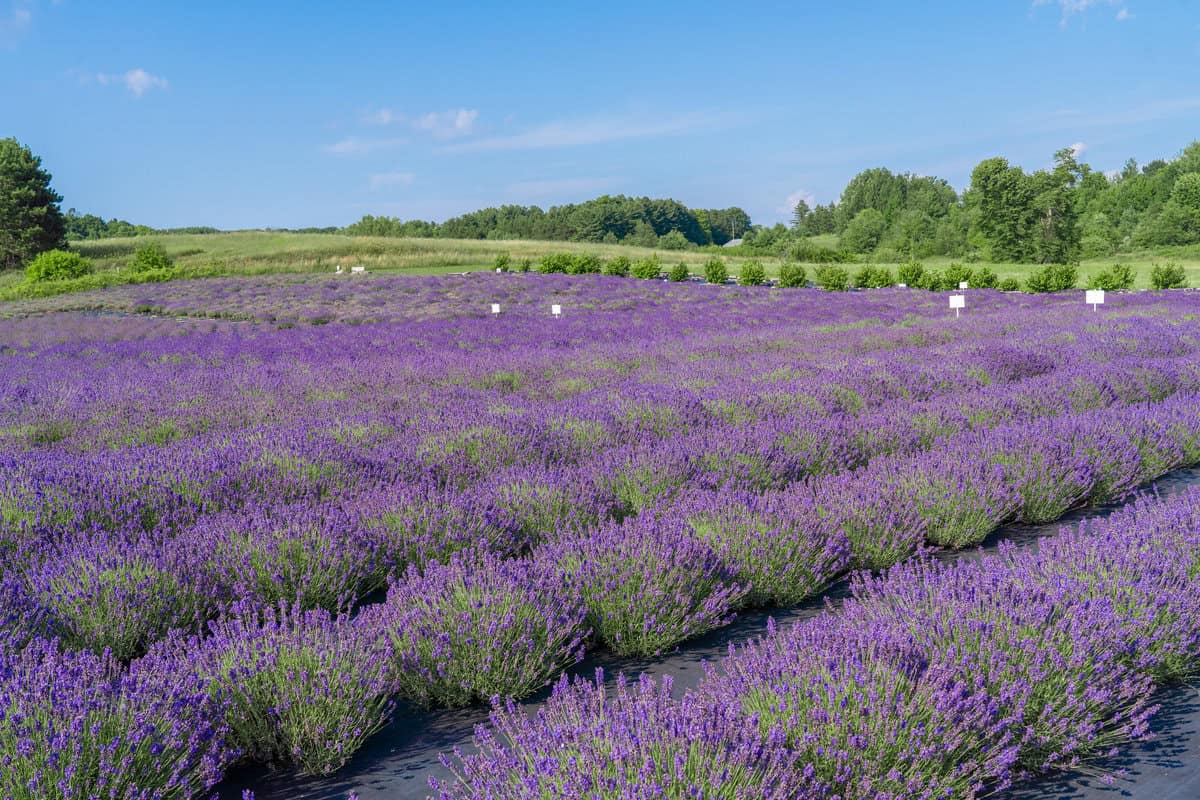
[113, 548]
[932, 681]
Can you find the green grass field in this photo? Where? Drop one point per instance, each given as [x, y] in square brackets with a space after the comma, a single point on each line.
[268, 252]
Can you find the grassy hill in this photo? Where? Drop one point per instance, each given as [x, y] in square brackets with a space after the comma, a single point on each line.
[270, 252]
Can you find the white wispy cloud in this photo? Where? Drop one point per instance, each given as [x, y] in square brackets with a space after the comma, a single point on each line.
[137, 81]
[1123, 15]
[789, 205]
[382, 180]
[1078, 149]
[447, 124]
[440, 124]
[1072, 7]
[596, 130]
[15, 22]
[560, 186]
[354, 146]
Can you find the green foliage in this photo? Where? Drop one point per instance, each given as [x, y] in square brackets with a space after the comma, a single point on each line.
[560, 263]
[832, 278]
[524, 265]
[1052, 278]
[679, 273]
[647, 268]
[865, 231]
[151, 257]
[752, 274]
[873, 277]
[792, 275]
[673, 240]
[1009, 285]
[715, 271]
[984, 278]
[1168, 276]
[618, 266]
[956, 274]
[584, 264]
[30, 219]
[1114, 279]
[1186, 192]
[502, 262]
[57, 265]
[810, 253]
[911, 274]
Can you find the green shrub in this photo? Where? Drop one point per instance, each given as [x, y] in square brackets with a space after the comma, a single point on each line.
[679, 273]
[556, 263]
[832, 278]
[647, 268]
[871, 276]
[618, 266]
[752, 274]
[955, 274]
[1052, 278]
[936, 281]
[673, 240]
[1113, 279]
[715, 271]
[57, 265]
[984, 278]
[584, 264]
[911, 274]
[502, 262]
[792, 275]
[524, 265]
[1168, 276]
[1009, 285]
[150, 257]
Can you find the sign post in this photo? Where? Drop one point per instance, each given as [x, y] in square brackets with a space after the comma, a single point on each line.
[1094, 298]
[962, 285]
[495, 308]
[556, 310]
[957, 302]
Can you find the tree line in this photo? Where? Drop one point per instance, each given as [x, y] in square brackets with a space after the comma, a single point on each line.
[1059, 214]
[610, 219]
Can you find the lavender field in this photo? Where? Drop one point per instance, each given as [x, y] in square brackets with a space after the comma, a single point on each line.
[245, 523]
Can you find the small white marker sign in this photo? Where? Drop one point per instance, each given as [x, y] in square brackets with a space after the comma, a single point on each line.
[358, 270]
[1094, 297]
[495, 308]
[556, 310]
[962, 284]
[902, 285]
[958, 301]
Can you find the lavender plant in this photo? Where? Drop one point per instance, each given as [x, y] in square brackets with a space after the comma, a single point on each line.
[303, 687]
[648, 584]
[468, 631]
[76, 725]
[630, 740]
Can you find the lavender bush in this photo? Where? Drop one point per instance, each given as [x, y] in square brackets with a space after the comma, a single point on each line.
[647, 584]
[76, 725]
[303, 687]
[469, 631]
[631, 740]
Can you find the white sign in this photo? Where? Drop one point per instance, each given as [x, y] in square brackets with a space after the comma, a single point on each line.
[1094, 297]
[495, 308]
[962, 284]
[358, 270]
[902, 285]
[958, 301]
[556, 310]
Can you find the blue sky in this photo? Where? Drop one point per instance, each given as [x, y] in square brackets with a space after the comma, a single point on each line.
[293, 114]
